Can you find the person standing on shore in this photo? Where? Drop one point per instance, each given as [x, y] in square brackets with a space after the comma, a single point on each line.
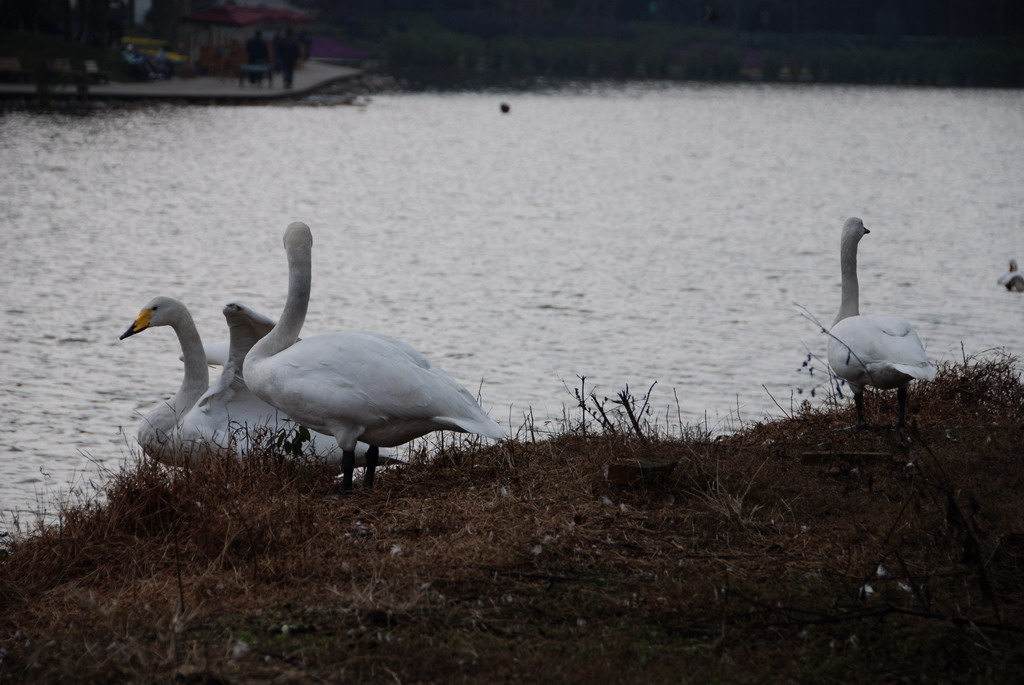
[287, 53]
[256, 53]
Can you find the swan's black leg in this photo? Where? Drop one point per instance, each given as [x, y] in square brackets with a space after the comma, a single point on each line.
[858, 401]
[901, 406]
[371, 464]
[348, 464]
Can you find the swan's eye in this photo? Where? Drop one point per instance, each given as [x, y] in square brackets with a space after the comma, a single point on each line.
[155, 308]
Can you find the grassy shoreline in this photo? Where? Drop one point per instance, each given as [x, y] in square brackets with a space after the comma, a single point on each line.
[789, 550]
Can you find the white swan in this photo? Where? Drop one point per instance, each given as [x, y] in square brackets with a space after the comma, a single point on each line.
[877, 350]
[1013, 279]
[159, 434]
[224, 418]
[354, 386]
[228, 417]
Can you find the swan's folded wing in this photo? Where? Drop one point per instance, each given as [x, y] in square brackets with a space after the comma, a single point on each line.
[373, 380]
[216, 353]
[396, 380]
[891, 326]
[869, 349]
[897, 344]
[428, 390]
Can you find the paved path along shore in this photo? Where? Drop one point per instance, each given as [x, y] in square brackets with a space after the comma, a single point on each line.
[312, 77]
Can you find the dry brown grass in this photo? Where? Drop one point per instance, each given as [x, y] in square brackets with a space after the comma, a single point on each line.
[521, 562]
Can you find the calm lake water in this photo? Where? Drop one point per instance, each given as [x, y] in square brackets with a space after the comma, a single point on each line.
[633, 234]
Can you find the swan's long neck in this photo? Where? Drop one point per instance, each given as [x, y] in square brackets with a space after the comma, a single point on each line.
[243, 336]
[850, 305]
[288, 327]
[197, 374]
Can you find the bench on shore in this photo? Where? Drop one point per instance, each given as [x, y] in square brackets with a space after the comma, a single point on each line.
[257, 72]
[10, 69]
[93, 72]
[62, 69]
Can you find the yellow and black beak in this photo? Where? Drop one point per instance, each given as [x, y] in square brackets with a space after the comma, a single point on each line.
[140, 324]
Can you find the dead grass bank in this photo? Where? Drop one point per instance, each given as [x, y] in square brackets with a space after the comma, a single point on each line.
[790, 550]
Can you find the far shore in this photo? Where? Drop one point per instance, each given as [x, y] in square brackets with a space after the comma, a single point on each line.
[314, 77]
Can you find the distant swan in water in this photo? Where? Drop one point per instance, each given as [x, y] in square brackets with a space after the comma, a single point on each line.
[1013, 279]
[225, 417]
[354, 385]
[879, 350]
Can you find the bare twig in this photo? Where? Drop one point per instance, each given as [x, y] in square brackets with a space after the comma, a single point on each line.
[784, 413]
[626, 401]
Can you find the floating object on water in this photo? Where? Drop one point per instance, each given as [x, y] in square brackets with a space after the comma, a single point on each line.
[1013, 279]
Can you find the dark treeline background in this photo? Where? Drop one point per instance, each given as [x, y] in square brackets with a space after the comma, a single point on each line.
[946, 18]
[932, 42]
[950, 18]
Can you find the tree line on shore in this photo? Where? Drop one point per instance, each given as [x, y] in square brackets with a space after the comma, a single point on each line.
[968, 42]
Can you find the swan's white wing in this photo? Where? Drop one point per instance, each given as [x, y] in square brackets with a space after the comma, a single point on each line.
[158, 433]
[216, 353]
[426, 389]
[369, 385]
[879, 350]
[229, 416]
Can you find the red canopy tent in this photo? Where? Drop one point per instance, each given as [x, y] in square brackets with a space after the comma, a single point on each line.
[216, 36]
